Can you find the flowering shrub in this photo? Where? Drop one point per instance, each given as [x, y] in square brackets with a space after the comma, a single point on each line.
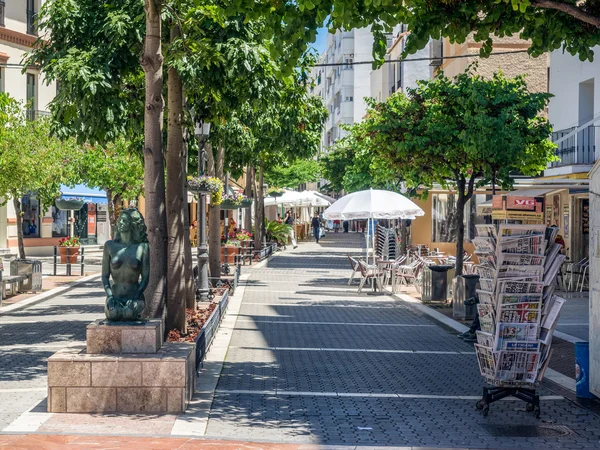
[243, 235]
[69, 242]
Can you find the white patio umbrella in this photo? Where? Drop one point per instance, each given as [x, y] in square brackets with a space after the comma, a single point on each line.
[373, 204]
[312, 198]
[291, 198]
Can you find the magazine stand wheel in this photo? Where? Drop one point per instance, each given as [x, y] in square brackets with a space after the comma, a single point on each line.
[493, 394]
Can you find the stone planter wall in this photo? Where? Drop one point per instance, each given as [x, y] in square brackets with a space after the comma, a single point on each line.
[208, 331]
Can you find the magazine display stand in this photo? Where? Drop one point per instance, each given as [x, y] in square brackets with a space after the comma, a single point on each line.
[517, 309]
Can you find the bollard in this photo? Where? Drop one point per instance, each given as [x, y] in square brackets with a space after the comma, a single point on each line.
[582, 369]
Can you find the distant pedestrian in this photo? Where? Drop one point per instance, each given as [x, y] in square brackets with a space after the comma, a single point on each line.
[316, 226]
[346, 226]
[289, 220]
[336, 225]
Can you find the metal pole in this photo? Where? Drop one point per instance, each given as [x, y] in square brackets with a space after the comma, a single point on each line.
[203, 288]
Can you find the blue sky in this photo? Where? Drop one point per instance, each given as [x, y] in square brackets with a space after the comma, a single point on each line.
[321, 41]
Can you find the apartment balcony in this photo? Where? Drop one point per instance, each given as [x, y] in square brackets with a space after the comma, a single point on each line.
[33, 114]
[578, 149]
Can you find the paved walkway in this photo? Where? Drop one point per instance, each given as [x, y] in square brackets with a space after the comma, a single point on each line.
[310, 361]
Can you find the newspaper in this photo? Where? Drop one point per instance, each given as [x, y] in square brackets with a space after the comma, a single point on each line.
[553, 270]
[551, 254]
[515, 366]
[511, 299]
[485, 297]
[516, 259]
[484, 244]
[521, 230]
[487, 284]
[486, 361]
[553, 312]
[536, 272]
[520, 287]
[516, 336]
[485, 339]
[521, 313]
[488, 231]
[534, 245]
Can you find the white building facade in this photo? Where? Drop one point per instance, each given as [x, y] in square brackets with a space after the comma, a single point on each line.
[344, 86]
[43, 225]
[398, 75]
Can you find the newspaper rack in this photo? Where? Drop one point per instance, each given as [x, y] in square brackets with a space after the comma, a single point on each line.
[517, 309]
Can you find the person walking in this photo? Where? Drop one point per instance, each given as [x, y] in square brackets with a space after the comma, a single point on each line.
[289, 220]
[316, 226]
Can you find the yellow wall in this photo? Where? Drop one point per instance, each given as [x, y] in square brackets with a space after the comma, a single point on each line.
[421, 230]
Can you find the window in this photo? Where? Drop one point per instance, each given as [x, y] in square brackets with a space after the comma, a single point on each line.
[444, 211]
[31, 96]
[31, 16]
[1, 79]
[30, 207]
[443, 228]
[2, 8]
[348, 63]
[399, 76]
[59, 222]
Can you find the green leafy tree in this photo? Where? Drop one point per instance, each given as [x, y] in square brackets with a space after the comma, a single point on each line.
[460, 133]
[32, 161]
[118, 169]
[293, 174]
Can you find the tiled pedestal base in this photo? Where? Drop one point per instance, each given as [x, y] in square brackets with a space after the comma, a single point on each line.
[122, 369]
[79, 382]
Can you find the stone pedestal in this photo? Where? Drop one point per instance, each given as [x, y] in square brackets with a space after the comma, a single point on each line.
[123, 369]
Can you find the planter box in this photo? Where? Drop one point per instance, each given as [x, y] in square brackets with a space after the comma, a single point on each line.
[229, 254]
[208, 331]
[68, 255]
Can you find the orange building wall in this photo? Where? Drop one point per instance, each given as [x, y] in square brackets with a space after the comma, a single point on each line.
[421, 230]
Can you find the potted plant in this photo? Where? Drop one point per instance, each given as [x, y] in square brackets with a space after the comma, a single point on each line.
[275, 192]
[207, 185]
[71, 204]
[68, 248]
[229, 250]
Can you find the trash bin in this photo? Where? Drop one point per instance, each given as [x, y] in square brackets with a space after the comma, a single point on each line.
[435, 282]
[32, 268]
[464, 288]
[582, 370]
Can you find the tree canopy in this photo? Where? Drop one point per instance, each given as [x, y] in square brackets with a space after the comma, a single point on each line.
[461, 133]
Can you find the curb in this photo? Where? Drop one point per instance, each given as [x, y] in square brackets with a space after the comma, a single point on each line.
[552, 375]
[46, 295]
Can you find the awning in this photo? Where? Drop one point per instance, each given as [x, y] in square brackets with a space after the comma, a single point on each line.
[81, 191]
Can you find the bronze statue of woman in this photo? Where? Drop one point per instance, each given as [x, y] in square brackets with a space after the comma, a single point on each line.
[127, 260]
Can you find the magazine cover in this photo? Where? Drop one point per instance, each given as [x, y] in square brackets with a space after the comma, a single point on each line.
[517, 366]
[521, 313]
[507, 333]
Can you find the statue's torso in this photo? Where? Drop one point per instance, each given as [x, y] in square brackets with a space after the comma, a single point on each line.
[125, 268]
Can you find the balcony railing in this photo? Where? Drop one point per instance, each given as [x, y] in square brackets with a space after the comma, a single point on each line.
[580, 148]
[33, 114]
[2, 9]
[31, 16]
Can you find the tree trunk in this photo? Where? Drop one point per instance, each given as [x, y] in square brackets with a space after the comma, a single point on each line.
[460, 226]
[112, 212]
[21, 244]
[176, 296]
[190, 295]
[154, 169]
[259, 220]
[214, 238]
[248, 193]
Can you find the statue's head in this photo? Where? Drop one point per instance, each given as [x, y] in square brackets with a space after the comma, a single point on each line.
[131, 220]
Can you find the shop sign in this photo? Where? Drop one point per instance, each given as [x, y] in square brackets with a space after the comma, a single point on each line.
[520, 203]
[585, 216]
[518, 215]
[497, 202]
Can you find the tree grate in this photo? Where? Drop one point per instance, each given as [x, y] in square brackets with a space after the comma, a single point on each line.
[528, 431]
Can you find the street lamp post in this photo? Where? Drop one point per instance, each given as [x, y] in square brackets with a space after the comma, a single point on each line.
[202, 130]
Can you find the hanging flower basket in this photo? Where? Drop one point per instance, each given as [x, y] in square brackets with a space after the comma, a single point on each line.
[235, 201]
[74, 204]
[204, 185]
[275, 192]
